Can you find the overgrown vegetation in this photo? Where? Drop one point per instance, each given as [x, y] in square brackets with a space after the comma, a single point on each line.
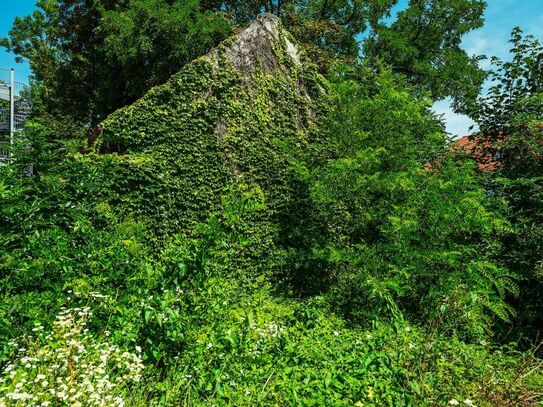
[259, 234]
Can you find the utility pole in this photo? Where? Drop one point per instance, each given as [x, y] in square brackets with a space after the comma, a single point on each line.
[11, 105]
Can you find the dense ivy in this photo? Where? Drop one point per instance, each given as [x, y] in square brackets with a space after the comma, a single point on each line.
[211, 125]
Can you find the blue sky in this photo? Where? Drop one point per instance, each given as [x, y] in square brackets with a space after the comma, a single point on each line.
[500, 18]
[10, 10]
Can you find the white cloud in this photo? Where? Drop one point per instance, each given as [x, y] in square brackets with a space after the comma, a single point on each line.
[477, 45]
[456, 124]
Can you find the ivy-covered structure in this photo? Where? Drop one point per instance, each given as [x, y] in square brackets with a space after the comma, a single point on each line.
[234, 115]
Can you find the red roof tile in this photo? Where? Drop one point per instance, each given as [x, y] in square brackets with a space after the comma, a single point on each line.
[482, 150]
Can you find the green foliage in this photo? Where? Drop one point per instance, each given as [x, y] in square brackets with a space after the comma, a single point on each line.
[423, 44]
[261, 351]
[186, 140]
[510, 118]
[514, 82]
[220, 336]
[406, 229]
[147, 41]
[266, 237]
[89, 58]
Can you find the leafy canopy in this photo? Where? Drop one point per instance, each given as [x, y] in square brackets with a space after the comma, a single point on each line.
[89, 58]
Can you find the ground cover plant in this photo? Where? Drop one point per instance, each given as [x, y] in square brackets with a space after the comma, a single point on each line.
[262, 230]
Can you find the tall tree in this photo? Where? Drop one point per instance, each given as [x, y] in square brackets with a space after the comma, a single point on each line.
[91, 57]
[514, 83]
[328, 29]
[424, 44]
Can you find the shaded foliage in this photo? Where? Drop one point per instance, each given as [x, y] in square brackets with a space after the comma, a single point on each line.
[396, 233]
[511, 117]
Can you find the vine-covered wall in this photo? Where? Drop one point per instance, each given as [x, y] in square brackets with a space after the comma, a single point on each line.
[215, 123]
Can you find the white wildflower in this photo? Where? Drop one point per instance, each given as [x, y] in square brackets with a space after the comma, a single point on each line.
[19, 396]
[73, 366]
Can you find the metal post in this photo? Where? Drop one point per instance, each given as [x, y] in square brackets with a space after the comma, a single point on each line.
[11, 104]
